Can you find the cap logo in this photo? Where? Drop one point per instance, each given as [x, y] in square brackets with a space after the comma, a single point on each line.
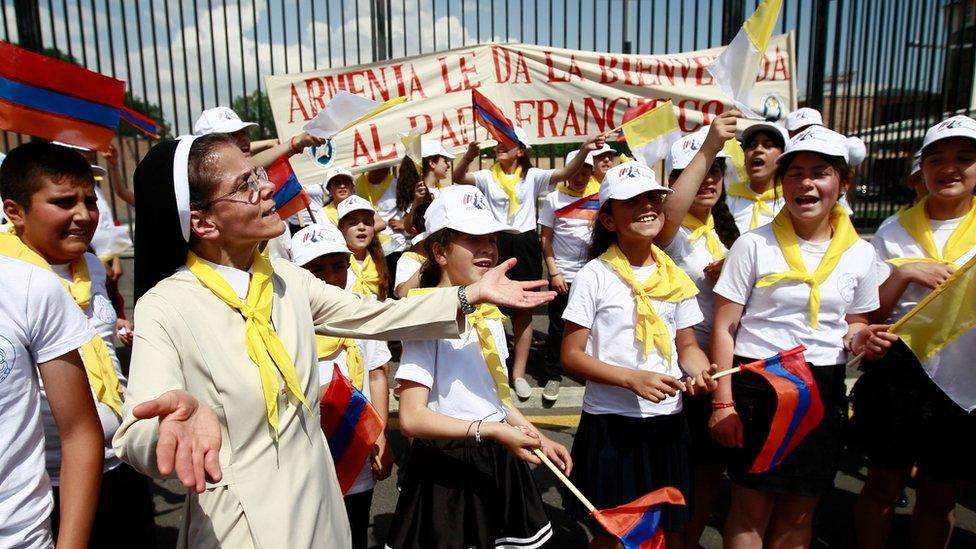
[313, 236]
[691, 144]
[475, 200]
[807, 136]
[954, 123]
[633, 172]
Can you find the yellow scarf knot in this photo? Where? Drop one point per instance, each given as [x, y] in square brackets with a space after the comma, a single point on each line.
[759, 200]
[328, 346]
[509, 184]
[707, 230]
[918, 225]
[371, 192]
[592, 187]
[367, 277]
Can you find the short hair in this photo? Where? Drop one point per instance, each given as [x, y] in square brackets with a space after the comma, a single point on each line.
[26, 168]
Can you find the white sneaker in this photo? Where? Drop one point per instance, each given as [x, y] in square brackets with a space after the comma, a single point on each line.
[522, 388]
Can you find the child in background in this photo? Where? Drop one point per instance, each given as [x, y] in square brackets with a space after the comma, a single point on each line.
[340, 186]
[322, 250]
[467, 483]
[756, 201]
[380, 188]
[415, 190]
[367, 269]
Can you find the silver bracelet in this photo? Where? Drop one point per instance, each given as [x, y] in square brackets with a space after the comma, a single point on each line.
[466, 307]
[477, 432]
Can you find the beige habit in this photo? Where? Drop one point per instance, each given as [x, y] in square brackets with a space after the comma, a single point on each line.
[272, 495]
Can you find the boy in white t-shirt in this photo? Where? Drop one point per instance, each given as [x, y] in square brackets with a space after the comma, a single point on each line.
[41, 327]
[322, 250]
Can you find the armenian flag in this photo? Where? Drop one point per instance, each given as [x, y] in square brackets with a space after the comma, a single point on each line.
[798, 406]
[638, 524]
[140, 122]
[351, 426]
[494, 120]
[57, 100]
[289, 196]
[584, 208]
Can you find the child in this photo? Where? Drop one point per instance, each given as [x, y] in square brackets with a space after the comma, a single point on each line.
[339, 184]
[50, 200]
[602, 161]
[513, 187]
[466, 482]
[322, 250]
[902, 417]
[805, 279]
[566, 218]
[380, 188]
[415, 190]
[755, 202]
[367, 270]
[697, 228]
[628, 325]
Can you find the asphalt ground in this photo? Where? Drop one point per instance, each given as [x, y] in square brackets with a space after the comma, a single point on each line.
[833, 523]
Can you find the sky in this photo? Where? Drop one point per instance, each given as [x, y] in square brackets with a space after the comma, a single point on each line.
[188, 55]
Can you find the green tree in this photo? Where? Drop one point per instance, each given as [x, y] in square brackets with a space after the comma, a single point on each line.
[255, 107]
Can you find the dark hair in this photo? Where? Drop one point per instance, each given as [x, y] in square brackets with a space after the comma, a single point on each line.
[28, 166]
[407, 180]
[773, 135]
[524, 161]
[725, 226]
[418, 218]
[202, 166]
[839, 165]
[430, 271]
[602, 238]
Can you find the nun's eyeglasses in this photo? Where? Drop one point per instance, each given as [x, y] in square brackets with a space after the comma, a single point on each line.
[250, 189]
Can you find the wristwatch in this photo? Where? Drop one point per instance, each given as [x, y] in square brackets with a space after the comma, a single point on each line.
[466, 307]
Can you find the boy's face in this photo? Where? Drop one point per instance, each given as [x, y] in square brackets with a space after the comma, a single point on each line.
[331, 268]
[61, 219]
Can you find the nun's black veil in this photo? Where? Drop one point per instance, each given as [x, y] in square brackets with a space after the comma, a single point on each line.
[159, 245]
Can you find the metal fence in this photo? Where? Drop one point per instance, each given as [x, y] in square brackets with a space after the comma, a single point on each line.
[881, 69]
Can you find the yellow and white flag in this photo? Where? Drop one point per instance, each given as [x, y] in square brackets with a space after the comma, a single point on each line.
[736, 69]
[344, 111]
[651, 134]
[411, 146]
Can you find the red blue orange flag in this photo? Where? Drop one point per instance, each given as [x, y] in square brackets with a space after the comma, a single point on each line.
[140, 122]
[638, 524]
[57, 100]
[584, 208]
[494, 120]
[351, 426]
[289, 196]
[798, 405]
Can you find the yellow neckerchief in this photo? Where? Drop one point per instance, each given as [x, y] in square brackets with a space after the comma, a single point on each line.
[706, 229]
[327, 346]
[262, 342]
[332, 213]
[415, 256]
[667, 283]
[843, 238]
[759, 200]
[592, 187]
[478, 320]
[509, 184]
[371, 192]
[102, 377]
[367, 277]
[917, 224]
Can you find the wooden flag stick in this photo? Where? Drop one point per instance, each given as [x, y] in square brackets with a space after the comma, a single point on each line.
[728, 372]
[310, 214]
[559, 474]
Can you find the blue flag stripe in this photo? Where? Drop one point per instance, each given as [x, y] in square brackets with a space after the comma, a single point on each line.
[643, 529]
[59, 104]
[346, 429]
[803, 404]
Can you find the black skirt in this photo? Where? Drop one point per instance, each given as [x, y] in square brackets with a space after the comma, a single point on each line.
[527, 249]
[809, 470]
[902, 418]
[703, 449]
[617, 459]
[456, 494]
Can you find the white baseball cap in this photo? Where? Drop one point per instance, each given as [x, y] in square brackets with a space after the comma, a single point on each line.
[432, 147]
[219, 120]
[818, 139]
[956, 126]
[601, 151]
[351, 204]
[916, 162]
[315, 241]
[686, 148]
[337, 172]
[572, 154]
[628, 180]
[802, 118]
[462, 208]
[774, 129]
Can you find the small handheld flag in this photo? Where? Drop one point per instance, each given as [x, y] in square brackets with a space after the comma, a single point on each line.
[289, 196]
[351, 426]
[651, 134]
[140, 122]
[411, 146]
[344, 111]
[494, 120]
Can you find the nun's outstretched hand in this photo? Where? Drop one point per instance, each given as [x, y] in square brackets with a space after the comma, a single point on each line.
[495, 287]
[189, 438]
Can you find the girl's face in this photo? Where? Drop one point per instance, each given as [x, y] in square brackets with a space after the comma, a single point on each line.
[468, 257]
[579, 180]
[331, 268]
[602, 163]
[357, 228]
[811, 186]
[439, 167]
[61, 219]
[340, 187]
[711, 187]
[637, 218]
[761, 153]
[508, 154]
[949, 168]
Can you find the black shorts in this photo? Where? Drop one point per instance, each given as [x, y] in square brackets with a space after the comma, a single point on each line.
[809, 470]
[527, 249]
[902, 418]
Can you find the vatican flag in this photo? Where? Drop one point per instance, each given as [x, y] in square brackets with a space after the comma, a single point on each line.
[651, 134]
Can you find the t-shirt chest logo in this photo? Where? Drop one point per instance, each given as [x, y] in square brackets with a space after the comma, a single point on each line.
[8, 355]
[102, 309]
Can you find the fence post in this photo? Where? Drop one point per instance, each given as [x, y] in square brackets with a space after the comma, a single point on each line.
[28, 17]
[818, 55]
[381, 40]
[733, 14]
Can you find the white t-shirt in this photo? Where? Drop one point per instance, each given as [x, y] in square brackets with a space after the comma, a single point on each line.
[393, 241]
[375, 354]
[893, 241]
[571, 231]
[602, 302]
[38, 322]
[777, 317]
[693, 258]
[406, 267]
[741, 209]
[534, 183]
[109, 240]
[456, 373]
[101, 317]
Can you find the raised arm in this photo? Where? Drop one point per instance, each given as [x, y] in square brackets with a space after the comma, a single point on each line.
[115, 178]
[290, 147]
[567, 171]
[460, 173]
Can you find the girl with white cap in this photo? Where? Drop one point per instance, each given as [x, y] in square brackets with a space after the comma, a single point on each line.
[902, 418]
[224, 379]
[513, 187]
[628, 326]
[368, 274]
[757, 200]
[467, 483]
[419, 186]
[804, 279]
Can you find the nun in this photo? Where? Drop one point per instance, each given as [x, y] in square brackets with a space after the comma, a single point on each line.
[223, 388]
